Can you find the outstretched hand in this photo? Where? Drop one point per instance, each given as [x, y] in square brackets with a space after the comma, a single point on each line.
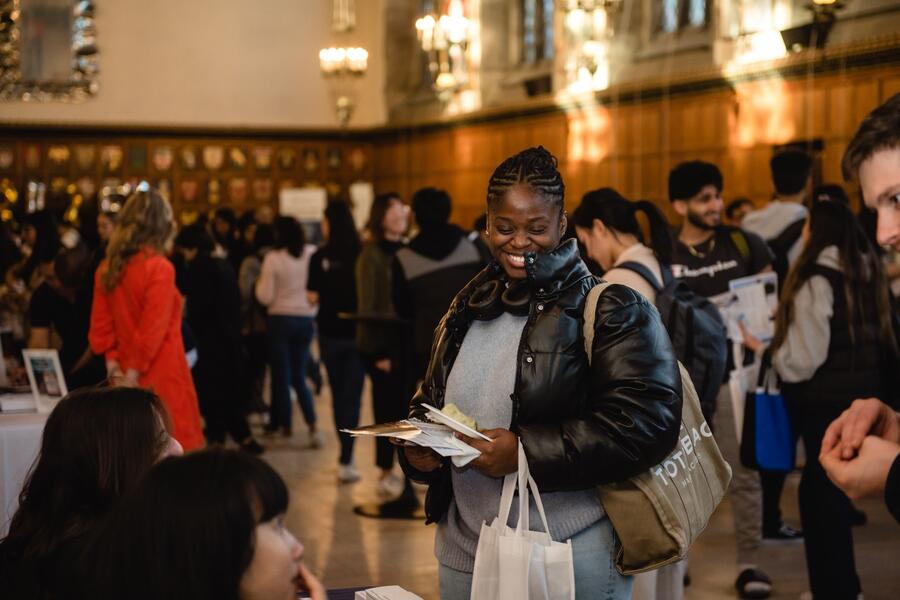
[500, 456]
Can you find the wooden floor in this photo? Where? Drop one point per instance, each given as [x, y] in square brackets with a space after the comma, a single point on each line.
[346, 550]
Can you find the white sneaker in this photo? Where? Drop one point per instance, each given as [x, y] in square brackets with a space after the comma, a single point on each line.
[390, 487]
[316, 439]
[348, 474]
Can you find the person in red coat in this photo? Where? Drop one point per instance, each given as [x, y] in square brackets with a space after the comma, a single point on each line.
[136, 314]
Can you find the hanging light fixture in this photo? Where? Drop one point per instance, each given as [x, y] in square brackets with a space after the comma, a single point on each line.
[589, 25]
[342, 66]
[444, 37]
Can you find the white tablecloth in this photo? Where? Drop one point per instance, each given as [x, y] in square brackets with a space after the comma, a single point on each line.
[20, 440]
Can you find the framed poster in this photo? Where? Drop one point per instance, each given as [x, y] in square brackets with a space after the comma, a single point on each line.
[46, 378]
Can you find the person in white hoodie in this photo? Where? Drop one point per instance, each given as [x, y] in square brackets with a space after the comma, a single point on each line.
[833, 343]
[607, 226]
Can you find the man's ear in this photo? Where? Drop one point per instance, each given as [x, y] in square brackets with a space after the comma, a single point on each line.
[563, 224]
[681, 207]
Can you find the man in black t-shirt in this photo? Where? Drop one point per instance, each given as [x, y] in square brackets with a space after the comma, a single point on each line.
[707, 255]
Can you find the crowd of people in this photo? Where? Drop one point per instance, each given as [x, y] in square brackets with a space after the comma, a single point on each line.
[166, 337]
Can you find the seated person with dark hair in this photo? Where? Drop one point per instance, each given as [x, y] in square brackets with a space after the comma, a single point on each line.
[206, 526]
[97, 444]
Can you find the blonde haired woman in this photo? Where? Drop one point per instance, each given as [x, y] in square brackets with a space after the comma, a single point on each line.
[136, 316]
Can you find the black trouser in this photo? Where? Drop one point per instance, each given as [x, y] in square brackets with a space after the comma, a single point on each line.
[389, 403]
[772, 483]
[346, 375]
[256, 352]
[218, 380]
[825, 515]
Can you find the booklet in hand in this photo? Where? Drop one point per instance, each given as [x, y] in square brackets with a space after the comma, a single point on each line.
[437, 436]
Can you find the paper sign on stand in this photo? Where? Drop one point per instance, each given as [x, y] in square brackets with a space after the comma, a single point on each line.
[304, 204]
[362, 195]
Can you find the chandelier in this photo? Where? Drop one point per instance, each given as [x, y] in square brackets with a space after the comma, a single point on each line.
[342, 66]
[444, 38]
[589, 27]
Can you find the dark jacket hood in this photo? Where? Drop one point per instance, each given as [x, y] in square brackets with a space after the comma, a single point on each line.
[437, 242]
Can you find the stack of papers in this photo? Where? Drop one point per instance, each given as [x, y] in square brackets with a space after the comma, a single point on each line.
[387, 592]
[437, 436]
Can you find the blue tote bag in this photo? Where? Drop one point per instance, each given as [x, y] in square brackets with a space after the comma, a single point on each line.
[767, 440]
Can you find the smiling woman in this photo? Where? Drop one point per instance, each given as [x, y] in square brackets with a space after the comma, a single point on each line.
[504, 356]
[525, 209]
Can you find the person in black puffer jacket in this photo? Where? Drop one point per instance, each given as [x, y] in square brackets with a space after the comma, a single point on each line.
[510, 353]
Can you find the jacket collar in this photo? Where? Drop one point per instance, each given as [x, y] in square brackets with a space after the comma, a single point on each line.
[553, 271]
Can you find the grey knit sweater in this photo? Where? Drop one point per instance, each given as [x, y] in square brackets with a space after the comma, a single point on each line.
[481, 384]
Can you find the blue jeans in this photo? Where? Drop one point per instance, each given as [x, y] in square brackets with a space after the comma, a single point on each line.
[346, 375]
[596, 578]
[289, 342]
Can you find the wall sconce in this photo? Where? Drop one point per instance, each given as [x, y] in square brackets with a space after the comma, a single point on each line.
[444, 38]
[589, 26]
[343, 66]
[815, 34]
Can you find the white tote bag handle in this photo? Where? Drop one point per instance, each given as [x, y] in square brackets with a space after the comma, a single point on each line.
[522, 480]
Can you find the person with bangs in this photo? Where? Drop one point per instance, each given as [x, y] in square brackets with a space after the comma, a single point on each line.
[207, 526]
[509, 353]
[137, 309]
[96, 446]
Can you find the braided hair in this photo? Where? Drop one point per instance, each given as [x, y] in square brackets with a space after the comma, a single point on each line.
[535, 168]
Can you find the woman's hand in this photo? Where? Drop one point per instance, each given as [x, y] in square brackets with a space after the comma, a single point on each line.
[311, 585]
[500, 456]
[750, 340]
[383, 365]
[420, 458]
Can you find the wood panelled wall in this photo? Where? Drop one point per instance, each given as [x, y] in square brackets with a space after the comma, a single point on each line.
[632, 146]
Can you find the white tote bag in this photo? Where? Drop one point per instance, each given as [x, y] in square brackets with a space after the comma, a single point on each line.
[741, 380]
[520, 564]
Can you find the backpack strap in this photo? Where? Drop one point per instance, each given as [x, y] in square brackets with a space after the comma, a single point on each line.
[740, 242]
[590, 316]
[642, 270]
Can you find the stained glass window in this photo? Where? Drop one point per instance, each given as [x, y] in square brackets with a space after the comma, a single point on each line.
[696, 13]
[673, 15]
[668, 21]
[548, 29]
[537, 30]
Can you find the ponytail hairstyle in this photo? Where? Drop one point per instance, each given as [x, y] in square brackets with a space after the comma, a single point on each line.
[619, 215]
[865, 285]
[144, 221]
[535, 168]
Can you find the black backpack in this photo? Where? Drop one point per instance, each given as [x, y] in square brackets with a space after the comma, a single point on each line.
[696, 329]
[781, 245]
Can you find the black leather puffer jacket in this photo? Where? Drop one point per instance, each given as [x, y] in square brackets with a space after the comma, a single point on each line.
[581, 423]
